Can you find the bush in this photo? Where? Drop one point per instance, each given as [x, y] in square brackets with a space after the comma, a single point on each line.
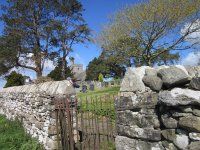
[101, 77]
[56, 74]
[14, 79]
[14, 137]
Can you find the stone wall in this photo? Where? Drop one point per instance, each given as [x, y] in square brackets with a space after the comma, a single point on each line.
[159, 108]
[33, 105]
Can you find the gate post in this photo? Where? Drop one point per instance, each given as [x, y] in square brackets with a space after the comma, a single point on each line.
[60, 114]
[138, 126]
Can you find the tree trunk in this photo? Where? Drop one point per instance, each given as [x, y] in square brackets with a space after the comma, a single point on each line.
[63, 64]
[149, 62]
[38, 73]
[38, 63]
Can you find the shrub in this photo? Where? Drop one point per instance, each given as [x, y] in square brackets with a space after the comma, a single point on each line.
[101, 77]
[14, 137]
[14, 79]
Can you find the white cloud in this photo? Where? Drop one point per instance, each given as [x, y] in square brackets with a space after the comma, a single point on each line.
[49, 65]
[191, 59]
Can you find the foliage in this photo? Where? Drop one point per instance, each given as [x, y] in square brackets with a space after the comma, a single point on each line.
[39, 30]
[14, 79]
[42, 80]
[70, 28]
[56, 74]
[100, 77]
[94, 68]
[143, 32]
[167, 58]
[13, 136]
[27, 35]
[106, 64]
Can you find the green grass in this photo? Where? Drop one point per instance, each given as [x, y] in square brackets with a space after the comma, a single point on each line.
[13, 136]
[100, 102]
[100, 92]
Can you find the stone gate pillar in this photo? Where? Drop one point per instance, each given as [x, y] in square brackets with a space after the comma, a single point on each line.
[138, 126]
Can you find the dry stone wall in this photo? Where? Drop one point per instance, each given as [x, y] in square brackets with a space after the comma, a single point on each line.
[33, 105]
[159, 109]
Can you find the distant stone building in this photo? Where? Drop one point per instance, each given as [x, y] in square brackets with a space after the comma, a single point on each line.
[77, 69]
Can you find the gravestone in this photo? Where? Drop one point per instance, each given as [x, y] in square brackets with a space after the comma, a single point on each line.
[84, 88]
[103, 84]
[91, 87]
[106, 84]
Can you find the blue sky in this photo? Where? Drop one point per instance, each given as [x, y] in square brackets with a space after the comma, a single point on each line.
[96, 14]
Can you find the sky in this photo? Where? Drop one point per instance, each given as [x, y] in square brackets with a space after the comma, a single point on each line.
[96, 15]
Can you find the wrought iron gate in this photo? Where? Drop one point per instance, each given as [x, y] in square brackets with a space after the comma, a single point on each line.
[85, 124]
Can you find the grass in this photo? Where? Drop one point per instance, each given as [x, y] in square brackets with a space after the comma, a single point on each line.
[100, 92]
[13, 136]
[100, 102]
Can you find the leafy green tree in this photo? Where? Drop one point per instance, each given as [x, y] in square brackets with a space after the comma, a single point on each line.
[70, 28]
[27, 35]
[146, 31]
[94, 68]
[39, 30]
[100, 77]
[107, 65]
[14, 79]
[56, 74]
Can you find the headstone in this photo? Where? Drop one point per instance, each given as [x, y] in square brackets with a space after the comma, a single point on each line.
[103, 84]
[84, 88]
[106, 84]
[91, 87]
[118, 82]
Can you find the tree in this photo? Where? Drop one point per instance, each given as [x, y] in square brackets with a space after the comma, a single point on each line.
[27, 35]
[38, 30]
[106, 65]
[14, 79]
[70, 28]
[100, 77]
[94, 68]
[167, 58]
[154, 26]
[56, 73]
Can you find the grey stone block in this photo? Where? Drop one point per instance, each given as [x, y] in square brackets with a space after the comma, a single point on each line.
[195, 83]
[173, 76]
[154, 82]
[179, 97]
[124, 143]
[135, 119]
[190, 123]
[142, 133]
[144, 100]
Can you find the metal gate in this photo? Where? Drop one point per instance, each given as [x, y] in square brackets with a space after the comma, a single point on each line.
[85, 124]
